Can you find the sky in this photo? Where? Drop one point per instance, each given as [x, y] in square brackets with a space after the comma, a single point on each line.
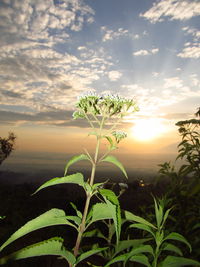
[51, 52]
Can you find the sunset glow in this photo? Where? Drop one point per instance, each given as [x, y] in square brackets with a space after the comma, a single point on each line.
[148, 129]
[54, 51]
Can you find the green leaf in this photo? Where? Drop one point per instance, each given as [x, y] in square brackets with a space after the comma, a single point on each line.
[76, 178]
[89, 253]
[178, 237]
[116, 162]
[117, 259]
[114, 207]
[158, 212]
[137, 258]
[99, 211]
[110, 195]
[195, 190]
[49, 218]
[141, 249]
[172, 261]
[53, 246]
[131, 217]
[196, 226]
[75, 219]
[172, 248]
[74, 160]
[94, 233]
[98, 185]
[79, 214]
[125, 244]
[165, 217]
[141, 259]
[109, 140]
[143, 227]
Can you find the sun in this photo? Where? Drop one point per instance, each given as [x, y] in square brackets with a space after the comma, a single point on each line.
[148, 129]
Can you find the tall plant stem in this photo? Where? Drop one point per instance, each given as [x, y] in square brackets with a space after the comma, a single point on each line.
[87, 202]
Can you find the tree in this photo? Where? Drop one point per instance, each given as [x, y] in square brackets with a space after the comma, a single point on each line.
[6, 146]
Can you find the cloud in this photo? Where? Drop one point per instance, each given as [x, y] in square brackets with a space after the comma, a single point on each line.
[146, 52]
[114, 75]
[174, 82]
[53, 117]
[109, 35]
[194, 79]
[174, 91]
[192, 31]
[174, 9]
[190, 52]
[36, 19]
[33, 68]
[191, 49]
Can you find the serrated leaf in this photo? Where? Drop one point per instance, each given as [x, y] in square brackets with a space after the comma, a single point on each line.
[114, 206]
[74, 160]
[131, 217]
[172, 248]
[116, 162]
[76, 178]
[178, 237]
[89, 253]
[53, 246]
[172, 261]
[49, 218]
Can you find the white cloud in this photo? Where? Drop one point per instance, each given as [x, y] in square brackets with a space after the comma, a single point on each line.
[81, 48]
[110, 34]
[34, 20]
[114, 75]
[155, 74]
[174, 9]
[146, 52]
[33, 73]
[194, 79]
[191, 49]
[154, 51]
[174, 82]
[141, 53]
[190, 52]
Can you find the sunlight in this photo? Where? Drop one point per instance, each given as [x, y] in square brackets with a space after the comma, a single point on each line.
[148, 129]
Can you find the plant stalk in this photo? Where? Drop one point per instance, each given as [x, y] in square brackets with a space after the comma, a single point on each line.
[87, 203]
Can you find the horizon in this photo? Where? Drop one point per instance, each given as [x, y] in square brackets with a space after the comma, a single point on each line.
[53, 51]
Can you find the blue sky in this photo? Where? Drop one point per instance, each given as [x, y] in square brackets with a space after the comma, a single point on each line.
[53, 51]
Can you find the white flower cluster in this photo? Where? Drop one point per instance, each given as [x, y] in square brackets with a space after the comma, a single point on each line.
[107, 105]
[119, 135]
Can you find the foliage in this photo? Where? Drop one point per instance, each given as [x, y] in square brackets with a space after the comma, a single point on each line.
[155, 251]
[6, 146]
[103, 113]
[184, 183]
